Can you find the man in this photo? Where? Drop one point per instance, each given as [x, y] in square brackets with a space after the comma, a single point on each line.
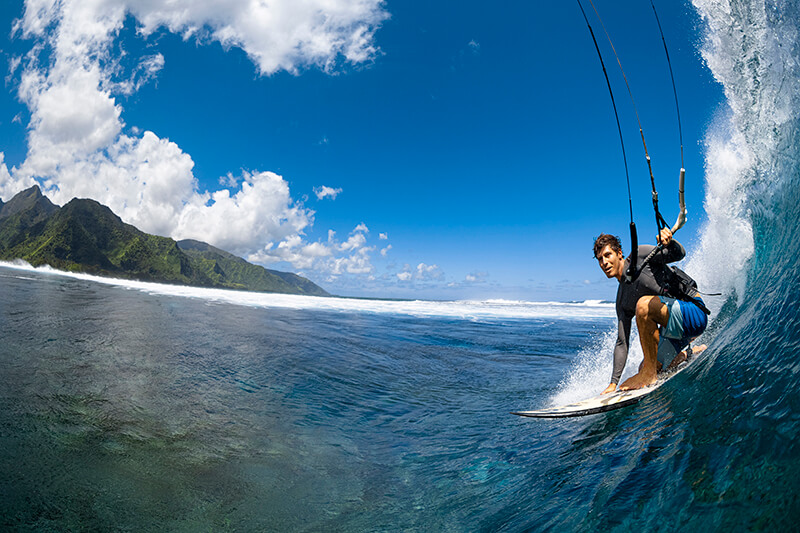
[651, 297]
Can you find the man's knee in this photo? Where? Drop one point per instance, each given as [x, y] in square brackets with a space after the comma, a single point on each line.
[648, 307]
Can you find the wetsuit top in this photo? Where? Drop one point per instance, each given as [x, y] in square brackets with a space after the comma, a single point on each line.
[649, 283]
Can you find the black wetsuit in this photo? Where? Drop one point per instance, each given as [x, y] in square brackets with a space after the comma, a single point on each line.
[650, 282]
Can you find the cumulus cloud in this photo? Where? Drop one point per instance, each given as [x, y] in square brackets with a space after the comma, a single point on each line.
[77, 146]
[263, 206]
[476, 277]
[8, 185]
[429, 272]
[292, 250]
[331, 259]
[357, 262]
[357, 239]
[277, 35]
[326, 192]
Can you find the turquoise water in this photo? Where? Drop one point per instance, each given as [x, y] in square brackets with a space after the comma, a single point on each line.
[128, 410]
[128, 407]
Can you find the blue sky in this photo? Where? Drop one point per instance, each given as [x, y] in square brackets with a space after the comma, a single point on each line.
[468, 152]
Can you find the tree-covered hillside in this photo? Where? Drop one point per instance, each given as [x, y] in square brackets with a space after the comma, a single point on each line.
[86, 236]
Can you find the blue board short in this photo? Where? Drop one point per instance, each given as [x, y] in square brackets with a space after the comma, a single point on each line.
[686, 321]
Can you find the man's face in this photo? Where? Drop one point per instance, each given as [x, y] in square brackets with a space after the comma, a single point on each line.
[611, 262]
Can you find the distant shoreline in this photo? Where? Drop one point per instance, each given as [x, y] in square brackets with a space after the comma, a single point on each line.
[465, 310]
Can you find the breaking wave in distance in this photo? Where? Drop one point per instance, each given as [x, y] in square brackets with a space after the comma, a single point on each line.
[466, 309]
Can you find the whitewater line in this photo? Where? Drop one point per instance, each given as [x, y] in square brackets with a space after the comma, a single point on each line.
[464, 309]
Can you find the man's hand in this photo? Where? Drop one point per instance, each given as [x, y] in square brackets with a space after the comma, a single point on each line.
[611, 388]
[665, 236]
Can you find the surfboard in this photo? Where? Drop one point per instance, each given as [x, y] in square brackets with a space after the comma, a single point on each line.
[607, 402]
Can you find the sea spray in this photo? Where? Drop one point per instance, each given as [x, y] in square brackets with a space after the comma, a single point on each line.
[591, 370]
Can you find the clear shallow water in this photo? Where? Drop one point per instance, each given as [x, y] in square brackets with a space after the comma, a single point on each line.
[127, 410]
[130, 410]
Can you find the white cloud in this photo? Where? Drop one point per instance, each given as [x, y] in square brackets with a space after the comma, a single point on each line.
[229, 180]
[72, 117]
[8, 185]
[332, 258]
[294, 251]
[73, 74]
[325, 192]
[429, 272]
[277, 35]
[476, 277]
[354, 241]
[385, 251]
[146, 70]
[260, 212]
[355, 263]
[383, 236]
[420, 277]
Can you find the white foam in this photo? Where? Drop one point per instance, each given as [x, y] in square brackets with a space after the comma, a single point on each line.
[752, 51]
[475, 310]
[726, 242]
[591, 371]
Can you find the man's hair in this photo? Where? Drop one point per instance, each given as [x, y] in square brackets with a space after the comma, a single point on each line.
[603, 240]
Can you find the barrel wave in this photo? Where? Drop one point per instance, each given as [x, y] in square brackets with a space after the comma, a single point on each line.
[724, 453]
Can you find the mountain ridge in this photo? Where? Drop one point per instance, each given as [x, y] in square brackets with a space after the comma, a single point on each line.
[86, 236]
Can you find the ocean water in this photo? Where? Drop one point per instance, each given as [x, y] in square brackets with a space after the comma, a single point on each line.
[138, 407]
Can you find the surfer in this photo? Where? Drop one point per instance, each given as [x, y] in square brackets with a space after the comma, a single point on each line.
[661, 308]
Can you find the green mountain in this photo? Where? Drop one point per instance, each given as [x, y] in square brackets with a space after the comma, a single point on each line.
[86, 236]
[219, 265]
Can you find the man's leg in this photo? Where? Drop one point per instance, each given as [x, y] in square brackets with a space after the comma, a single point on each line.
[693, 323]
[650, 314]
[684, 355]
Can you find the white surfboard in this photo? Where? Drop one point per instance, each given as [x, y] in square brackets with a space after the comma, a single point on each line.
[606, 402]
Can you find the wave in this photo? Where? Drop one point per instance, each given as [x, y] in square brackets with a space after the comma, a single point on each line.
[746, 246]
[723, 449]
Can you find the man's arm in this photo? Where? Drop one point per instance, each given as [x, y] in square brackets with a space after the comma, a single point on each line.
[620, 352]
[673, 250]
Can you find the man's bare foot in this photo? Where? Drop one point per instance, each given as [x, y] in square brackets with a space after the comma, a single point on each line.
[642, 379]
[684, 354]
[680, 358]
[658, 364]
[611, 388]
